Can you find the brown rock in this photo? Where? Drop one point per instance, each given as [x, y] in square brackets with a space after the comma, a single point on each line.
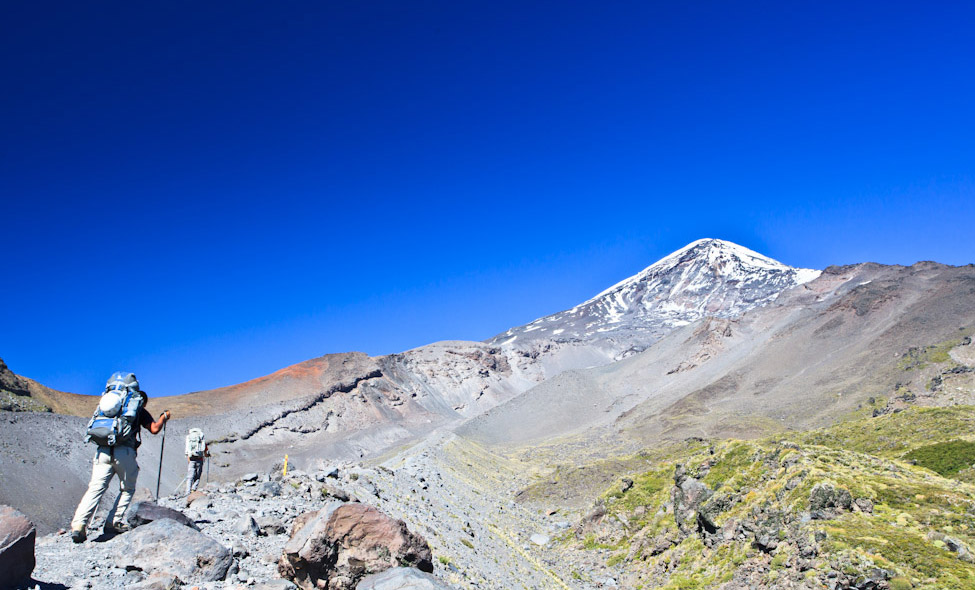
[194, 496]
[342, 543]
[17, 536]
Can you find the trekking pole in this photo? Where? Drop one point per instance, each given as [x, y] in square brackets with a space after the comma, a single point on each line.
[162, 445]
[207, 459]
[179, 485]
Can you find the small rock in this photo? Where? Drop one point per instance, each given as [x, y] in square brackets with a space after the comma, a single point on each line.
[270, 489]
[194, 496]
[248, 526]
[959, 549]
[626, 484]
[277, 584]
[270, 525]
[159, 581]
[337, 493]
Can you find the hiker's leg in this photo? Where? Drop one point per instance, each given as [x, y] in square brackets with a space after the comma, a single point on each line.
[197, 472]
[101, 474]
[189, 476]
[128, 472]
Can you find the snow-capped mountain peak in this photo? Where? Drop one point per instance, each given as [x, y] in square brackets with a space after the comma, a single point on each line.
[708, 277]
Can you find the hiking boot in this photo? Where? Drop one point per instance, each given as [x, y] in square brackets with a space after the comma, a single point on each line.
[116, 529]
[79, 535]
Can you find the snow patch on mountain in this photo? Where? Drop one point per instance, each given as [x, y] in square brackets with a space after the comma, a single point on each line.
[707, 278]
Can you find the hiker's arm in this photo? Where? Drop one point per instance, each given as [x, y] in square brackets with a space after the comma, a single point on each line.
[156, 426]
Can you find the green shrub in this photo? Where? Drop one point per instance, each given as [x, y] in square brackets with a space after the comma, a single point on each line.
[945, 458]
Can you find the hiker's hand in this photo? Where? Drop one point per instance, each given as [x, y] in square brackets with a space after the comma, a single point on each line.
[166, 415]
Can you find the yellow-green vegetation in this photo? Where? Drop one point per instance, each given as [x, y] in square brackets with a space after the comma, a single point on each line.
[874, 510]
[920, 357]
[592, 479]
[894, 435]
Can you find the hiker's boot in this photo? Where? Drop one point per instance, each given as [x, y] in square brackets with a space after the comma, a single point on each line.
[79, 535]
[115, 529]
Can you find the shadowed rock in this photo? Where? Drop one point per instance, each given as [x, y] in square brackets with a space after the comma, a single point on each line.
[342, 543]
[17, 536]
[142, 513]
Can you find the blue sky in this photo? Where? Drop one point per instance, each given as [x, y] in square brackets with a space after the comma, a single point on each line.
[203, 193]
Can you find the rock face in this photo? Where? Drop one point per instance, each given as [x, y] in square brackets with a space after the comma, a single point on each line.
[339, 545]
[688, 496]
[166, 546]
[15, 393]
[17, 536]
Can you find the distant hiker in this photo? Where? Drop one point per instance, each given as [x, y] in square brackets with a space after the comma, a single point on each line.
[197, 452]
[115, 428]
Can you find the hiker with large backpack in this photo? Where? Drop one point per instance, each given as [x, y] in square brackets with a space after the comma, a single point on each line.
[197, 452]
[115, 428]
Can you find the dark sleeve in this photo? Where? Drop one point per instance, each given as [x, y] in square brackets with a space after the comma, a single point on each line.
[145, 418]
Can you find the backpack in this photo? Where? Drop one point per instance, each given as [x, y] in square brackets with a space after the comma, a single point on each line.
[114, 421]
[196, 443]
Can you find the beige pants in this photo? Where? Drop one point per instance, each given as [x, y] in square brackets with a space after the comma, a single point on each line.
[120, 461]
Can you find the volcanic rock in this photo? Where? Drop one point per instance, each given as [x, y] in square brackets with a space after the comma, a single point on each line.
[401, 578]
[342, 543]
[145, 512]
[167, 546]
[17, 536]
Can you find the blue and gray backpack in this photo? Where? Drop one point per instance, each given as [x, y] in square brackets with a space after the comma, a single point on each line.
[114, 421]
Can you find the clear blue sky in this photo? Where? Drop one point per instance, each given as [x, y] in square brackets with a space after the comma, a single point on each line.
[205, 192]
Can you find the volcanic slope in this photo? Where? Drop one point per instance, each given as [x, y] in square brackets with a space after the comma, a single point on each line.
[346, 406]
[818, 351]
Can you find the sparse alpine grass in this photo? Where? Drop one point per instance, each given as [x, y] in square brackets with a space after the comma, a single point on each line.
[901, 524]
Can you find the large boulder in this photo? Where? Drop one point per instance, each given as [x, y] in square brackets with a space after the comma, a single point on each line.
[17, 535]
[167, 546]
[401, 578]
[342, 543]
[688, 495]
[142, 513]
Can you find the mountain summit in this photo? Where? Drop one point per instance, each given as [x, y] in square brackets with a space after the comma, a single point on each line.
[705, 278]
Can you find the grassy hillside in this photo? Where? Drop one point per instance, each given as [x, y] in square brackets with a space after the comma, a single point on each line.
[840, 507]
